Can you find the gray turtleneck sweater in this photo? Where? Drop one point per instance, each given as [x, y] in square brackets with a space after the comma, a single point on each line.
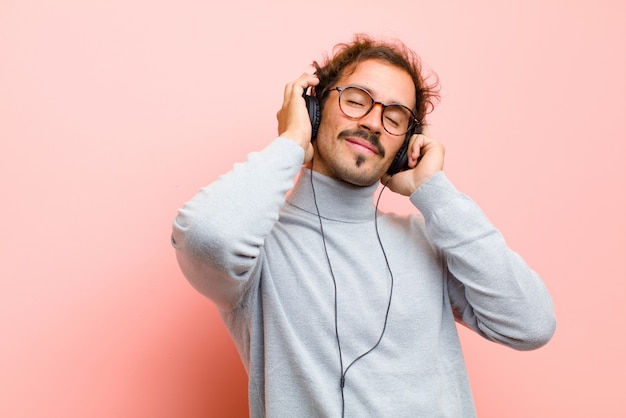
[252, 243]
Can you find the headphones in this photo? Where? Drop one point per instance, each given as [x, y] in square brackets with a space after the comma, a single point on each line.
[400, 161]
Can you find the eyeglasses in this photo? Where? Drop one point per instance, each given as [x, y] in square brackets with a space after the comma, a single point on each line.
[356, 102]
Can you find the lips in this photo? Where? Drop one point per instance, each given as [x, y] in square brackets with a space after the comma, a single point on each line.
[363, 141]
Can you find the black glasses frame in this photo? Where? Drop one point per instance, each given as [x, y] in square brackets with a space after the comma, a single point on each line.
[413, 122]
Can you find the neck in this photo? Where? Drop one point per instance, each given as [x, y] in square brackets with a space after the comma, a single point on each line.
[336, 200]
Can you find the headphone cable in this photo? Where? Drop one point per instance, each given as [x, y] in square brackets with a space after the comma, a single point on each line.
[342, 380]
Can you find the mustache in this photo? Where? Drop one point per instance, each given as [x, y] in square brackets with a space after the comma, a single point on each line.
[363, 134]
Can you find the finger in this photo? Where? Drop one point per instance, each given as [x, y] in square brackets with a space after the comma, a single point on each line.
[415, 149]
[289, 88]
[297, 87]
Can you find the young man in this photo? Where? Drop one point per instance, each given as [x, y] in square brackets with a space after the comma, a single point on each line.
[337, 309]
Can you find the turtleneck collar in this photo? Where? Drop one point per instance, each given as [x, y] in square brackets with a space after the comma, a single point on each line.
[336, 199]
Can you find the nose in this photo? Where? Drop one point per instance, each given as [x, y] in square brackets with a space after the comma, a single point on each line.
[373, 120]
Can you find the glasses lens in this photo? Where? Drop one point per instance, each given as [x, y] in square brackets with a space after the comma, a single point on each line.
[355, 103]
[397, 119]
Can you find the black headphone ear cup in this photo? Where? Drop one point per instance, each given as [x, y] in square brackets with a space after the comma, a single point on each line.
[313, 106]
[401, 160]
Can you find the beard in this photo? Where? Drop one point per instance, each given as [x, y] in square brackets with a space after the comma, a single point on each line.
[353, 169]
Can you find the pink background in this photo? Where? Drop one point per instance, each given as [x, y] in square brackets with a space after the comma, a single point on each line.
[114, 112]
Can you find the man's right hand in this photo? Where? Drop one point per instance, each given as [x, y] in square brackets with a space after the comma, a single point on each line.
[293, 117]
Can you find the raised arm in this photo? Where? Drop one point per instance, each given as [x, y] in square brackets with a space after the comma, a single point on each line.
[219, 234]
[491, 289]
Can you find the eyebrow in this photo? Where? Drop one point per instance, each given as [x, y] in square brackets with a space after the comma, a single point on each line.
[374, 95]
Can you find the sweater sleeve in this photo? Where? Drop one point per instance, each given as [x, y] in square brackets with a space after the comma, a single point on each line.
[491, 288]
[218, 235]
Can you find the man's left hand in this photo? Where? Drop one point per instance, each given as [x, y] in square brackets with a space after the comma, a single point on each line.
[425, 160]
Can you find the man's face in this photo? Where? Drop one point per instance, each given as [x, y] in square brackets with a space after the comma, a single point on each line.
[360, 151]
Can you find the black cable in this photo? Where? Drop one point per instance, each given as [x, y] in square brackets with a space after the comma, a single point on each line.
[317, 209]
[342, 380]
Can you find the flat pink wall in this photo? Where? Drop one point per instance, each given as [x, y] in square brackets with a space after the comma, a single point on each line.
[113, 113]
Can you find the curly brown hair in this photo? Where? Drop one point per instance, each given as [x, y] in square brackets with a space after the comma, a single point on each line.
[363, 48]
